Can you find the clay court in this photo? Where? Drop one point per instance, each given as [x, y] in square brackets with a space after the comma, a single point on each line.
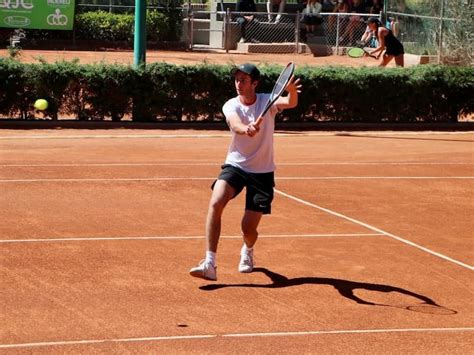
[369, 247]
[196, 57]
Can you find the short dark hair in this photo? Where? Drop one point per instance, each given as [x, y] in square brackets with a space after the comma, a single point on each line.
[374, 20]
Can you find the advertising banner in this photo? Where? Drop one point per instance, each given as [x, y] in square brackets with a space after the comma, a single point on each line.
[37, 14]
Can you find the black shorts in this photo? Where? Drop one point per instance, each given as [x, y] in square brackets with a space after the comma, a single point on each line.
[311, 20]
[259, 194]
[395, 50]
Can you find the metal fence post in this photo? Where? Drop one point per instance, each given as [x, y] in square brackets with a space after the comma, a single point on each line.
[297, 33]
[227, 16]
[440, 44]
[191, 30]
[337, 35]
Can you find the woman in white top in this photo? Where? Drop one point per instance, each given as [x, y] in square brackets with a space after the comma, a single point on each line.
[311, 16]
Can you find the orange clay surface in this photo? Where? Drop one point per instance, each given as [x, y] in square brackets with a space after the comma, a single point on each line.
[195, 57]
[369, 248]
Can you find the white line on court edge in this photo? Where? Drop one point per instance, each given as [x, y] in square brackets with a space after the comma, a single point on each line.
[226, 134]
[268, 236]
[233, 335]
[125, 136]
[108, 179]
[375, 230]
[209, 163]
[375, 177]
[356, 331]
[101, 341]
[212, 178]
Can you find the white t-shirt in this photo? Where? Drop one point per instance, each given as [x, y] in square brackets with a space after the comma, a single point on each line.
[252, 154]
[313, 10]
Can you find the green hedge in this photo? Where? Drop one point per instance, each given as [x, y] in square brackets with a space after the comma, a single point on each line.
[165, 92]
[164, 25]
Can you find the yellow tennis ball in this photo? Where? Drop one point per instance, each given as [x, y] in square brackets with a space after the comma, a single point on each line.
[41, 104]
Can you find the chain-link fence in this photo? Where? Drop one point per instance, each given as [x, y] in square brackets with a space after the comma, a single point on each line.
[440, 30]
[123, 6]
[262, 32]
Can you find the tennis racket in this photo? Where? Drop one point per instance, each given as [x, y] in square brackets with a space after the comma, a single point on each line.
[279, 87]
[358, 52]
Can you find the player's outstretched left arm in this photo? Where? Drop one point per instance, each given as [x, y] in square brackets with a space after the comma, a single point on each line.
[291, 100]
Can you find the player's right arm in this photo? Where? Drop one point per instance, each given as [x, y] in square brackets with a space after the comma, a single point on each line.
[237, 126]
[381, 36]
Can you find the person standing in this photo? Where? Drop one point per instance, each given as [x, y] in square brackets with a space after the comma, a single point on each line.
[249, 164]
[388, 42]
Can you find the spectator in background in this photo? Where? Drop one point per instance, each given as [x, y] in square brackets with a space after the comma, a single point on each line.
[281, 9]
[243, 20]
[377, 7]
[341, 7]
[394, 22]
[311, 16]
[356, 23]
[329, 5]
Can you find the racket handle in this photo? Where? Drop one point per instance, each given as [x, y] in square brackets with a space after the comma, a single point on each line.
[369, 54]
[259, 120]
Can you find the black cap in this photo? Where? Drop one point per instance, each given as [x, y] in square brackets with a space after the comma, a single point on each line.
[249, 69]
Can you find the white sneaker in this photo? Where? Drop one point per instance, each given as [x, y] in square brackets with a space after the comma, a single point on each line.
[246, 262]
[204, 270]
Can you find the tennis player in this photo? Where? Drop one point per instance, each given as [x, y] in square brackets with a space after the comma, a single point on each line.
[249, 163]
[388, 42]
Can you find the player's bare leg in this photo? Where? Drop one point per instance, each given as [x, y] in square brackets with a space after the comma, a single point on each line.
[400, 60]
[221, 195]
[385, 60]
[249, 226]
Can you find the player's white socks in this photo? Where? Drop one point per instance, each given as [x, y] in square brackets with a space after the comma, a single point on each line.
[211, 257]
[246, 250]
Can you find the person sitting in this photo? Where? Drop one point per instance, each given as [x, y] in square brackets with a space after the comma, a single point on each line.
[245, 20]
[377, 7]
[329, 5]
[311, 16]
[281, 9]
[341, 7]
[355, 22]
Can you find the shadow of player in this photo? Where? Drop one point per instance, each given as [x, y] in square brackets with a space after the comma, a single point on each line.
[345, 288]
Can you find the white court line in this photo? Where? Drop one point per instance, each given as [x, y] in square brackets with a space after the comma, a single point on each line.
[101, 341]
[375, 229]
[125, 136]
[356, 331]
[235, 335]
[375, 178]
[279, 133]
[108, 179]
[194, 163]
[262, 236]
[212, 178]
